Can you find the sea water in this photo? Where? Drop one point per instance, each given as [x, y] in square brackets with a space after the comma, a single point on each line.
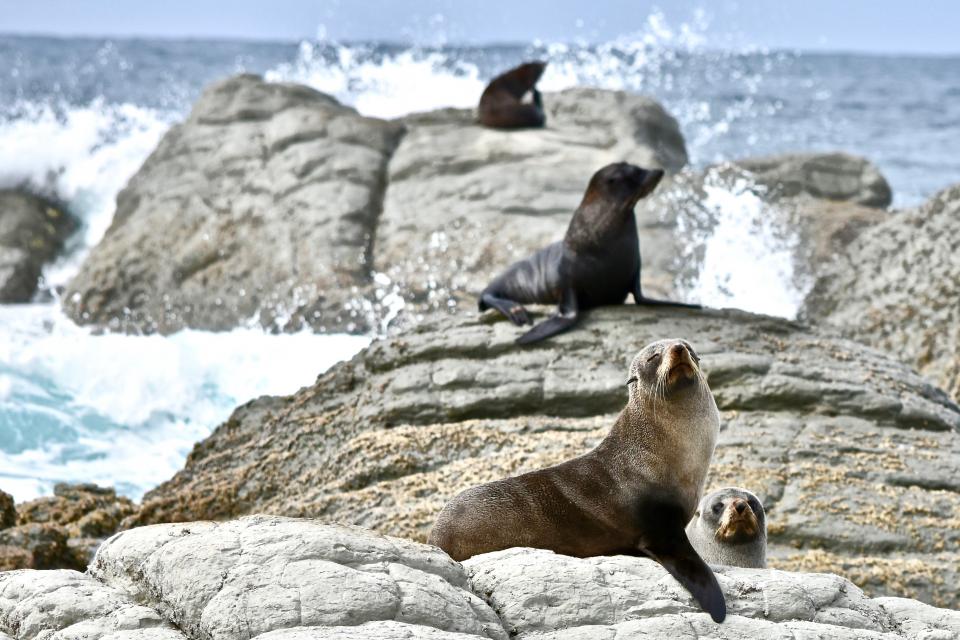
[78, 117]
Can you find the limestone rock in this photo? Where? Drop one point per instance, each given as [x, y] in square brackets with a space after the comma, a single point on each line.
[33, 231]
[66, 605]
[259, 574]
[259, 207]
[897, 288]
[465, 201]
[538, 594]
[853, 454]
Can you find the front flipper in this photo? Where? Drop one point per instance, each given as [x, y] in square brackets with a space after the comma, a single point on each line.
[683, 563]
[566, 316]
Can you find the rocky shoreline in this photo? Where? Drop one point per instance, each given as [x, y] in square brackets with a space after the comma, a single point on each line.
[280, 205]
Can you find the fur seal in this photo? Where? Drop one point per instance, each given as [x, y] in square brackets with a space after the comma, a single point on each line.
[501, 104]
[730, 527]
[633, 494]
[597, 262]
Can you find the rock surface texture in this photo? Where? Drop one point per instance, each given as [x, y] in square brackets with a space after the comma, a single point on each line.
[33, 231]
[854, 454]
[63, 530]
[260, 207]
[276, 578]
[897, 287]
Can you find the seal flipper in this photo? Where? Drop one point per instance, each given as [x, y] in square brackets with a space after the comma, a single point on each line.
[640, 299]
[566, 316]
[679, 558]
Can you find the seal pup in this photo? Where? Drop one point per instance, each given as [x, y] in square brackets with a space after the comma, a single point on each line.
[502, 105]
[730, 527]
[597, 262]
[633, 494]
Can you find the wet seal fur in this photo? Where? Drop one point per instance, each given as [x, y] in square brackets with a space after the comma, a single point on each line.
[501, 104]
[597, 263]
[632, 495]
[730, 527]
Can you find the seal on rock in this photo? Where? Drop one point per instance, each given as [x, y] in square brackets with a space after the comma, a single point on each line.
[633, 494]
[730, 527]
[597, 262]
[502, 105]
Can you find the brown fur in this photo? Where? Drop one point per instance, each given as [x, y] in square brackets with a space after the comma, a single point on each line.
[501, 104]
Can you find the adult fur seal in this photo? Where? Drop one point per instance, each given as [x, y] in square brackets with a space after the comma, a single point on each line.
[502, 105]
[597, 262]
[633, 494]
[730, 527]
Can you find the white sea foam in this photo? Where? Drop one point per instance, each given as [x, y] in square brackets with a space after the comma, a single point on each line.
[125, 410]
[80, 155]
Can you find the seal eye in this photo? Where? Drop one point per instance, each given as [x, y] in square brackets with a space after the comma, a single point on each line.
[653, 357]
[717, 508]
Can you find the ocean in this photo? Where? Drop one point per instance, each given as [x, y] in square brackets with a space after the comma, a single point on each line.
[78, 117]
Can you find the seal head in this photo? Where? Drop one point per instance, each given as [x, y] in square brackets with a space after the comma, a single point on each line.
[730, 527]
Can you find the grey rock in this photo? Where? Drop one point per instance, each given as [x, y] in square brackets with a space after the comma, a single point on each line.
[896, 288]
[251, 576]
[260, 207]
[853, 454]
[388, 630]
[33, 231]
[66, 605]
[623, 597]
[465, 201]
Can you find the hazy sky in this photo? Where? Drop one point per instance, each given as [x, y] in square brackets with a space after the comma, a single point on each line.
[920, 26]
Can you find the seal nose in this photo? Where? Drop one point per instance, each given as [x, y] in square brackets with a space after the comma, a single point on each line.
[740, 506]
[678, 350]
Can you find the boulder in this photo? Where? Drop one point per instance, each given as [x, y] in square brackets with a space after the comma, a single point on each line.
[70, 605]
[260, 207]
[62, 530]
[538, 594]
[273, 578]
[854, 454]
[798, 209]
[464, 201]
[897, 287]
[256, 575]
[33, 231]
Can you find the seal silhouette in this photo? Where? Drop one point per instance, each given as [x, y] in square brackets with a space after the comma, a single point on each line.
[501, 104]
[632, 494]
[730, 527]
[597, 262]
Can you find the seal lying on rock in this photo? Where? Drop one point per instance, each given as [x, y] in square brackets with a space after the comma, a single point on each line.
[501, 104]
[730, 527]
[633, 494]
[597, 262]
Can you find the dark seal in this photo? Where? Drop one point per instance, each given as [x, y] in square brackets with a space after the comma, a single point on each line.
[730, 527]
[633, 494]
[502, 105]
[597, 262]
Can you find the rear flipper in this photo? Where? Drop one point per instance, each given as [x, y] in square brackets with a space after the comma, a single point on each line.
[678, 556]
[514, 311]
[516, 116]
[550, 327]
[565, 317]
